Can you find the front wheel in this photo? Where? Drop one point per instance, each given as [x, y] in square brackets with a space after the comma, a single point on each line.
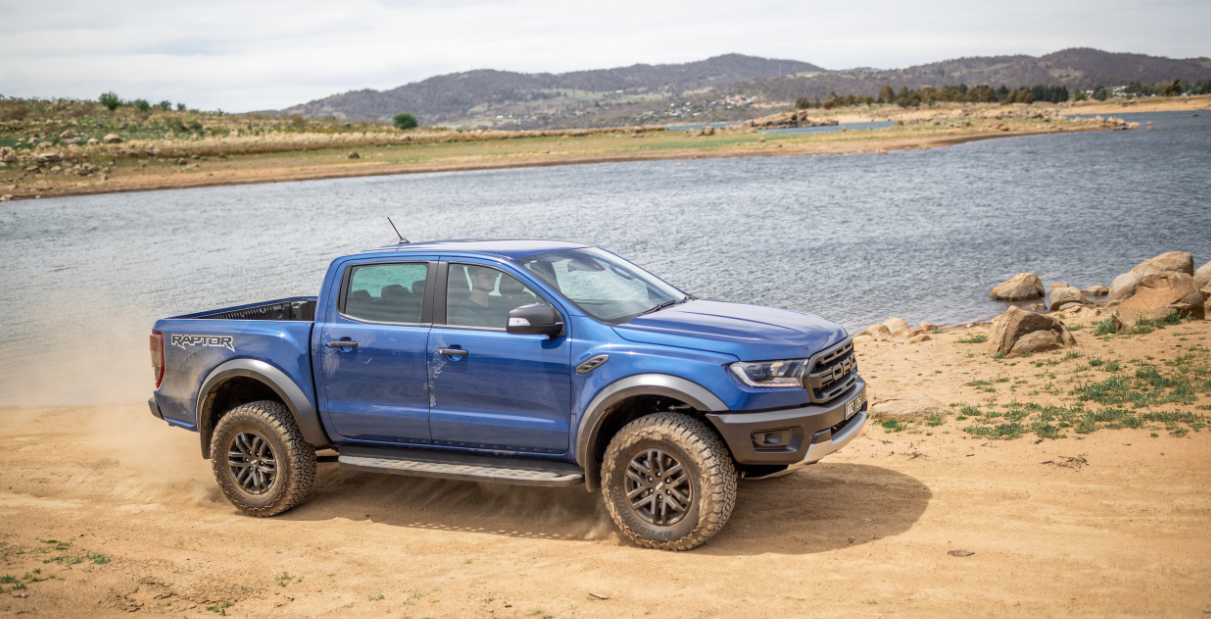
[668, 481]
[260, 458]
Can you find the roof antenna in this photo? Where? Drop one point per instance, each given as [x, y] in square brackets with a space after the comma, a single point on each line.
[402, 240]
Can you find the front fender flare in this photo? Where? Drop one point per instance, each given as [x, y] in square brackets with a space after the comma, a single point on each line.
[667, 385]
[305, 415]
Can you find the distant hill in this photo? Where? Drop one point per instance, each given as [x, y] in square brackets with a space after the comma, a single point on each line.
[457, 96]
[1075, 68]
[726, 87]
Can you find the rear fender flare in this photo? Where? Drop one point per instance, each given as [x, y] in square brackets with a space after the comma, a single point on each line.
[305, 415]
[665, 385]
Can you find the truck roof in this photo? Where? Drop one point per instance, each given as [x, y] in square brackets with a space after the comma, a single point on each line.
[512, 249]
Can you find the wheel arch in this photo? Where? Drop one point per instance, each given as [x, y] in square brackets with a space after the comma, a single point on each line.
[611, 403]
[240, 381]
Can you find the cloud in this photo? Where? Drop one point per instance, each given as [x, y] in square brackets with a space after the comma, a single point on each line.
[243, 56]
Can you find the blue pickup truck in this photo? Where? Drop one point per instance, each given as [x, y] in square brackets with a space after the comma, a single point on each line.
[511, 361]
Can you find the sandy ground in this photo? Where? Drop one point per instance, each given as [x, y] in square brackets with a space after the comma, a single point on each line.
[501, 154]
[120, 515]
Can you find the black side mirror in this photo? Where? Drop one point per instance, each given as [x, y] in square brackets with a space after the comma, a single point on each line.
[535, 319]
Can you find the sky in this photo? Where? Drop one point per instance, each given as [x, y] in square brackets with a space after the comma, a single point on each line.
[245, 56]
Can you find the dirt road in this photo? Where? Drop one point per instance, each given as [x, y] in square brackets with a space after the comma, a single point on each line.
[121, 515]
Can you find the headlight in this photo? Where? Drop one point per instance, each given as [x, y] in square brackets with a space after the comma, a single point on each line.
[772, 373]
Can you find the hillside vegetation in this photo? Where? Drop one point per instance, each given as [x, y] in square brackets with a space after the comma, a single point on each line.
[723, 88]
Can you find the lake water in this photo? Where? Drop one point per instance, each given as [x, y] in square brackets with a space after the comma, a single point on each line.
[856, 238]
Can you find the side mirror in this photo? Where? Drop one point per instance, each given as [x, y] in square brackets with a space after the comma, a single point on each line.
[535, 319]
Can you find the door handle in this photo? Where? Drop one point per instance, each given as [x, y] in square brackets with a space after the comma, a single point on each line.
[342, 344]
[453, 352]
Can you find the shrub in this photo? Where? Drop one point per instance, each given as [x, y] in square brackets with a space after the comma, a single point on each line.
[110, 100]
[165, 105]
[404, 120]
[142, 105]
[1106, 327]
[180, 107]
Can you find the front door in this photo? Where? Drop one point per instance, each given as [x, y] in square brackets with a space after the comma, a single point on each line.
[491, 389]
[373, 354]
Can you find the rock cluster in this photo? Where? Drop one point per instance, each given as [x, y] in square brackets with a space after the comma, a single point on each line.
[1159, 286]
[1063, 295]
[896, 330]
[1017, 331]
[1020, 287]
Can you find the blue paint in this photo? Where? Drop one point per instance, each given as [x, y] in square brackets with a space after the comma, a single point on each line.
[407, 384]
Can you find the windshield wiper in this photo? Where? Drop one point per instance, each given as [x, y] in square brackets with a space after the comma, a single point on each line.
[658, 307]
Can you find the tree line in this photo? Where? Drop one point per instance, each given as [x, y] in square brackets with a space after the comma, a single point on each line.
[984, 93]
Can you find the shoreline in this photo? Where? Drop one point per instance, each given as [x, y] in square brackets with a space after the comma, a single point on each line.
[136, 177]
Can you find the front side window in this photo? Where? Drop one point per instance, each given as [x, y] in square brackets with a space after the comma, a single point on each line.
[392, 293]
[602, 284]
[483, 297]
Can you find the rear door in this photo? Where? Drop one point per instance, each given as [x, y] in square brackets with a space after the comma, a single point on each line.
[372, 362]
[491, 389]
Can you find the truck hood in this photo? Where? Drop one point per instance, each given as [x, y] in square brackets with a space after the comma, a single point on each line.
[748, 332]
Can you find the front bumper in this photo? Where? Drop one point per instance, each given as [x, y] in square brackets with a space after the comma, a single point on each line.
[793, 436]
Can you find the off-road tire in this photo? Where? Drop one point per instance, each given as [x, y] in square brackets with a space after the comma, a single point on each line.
[293, 459]
[711, 476]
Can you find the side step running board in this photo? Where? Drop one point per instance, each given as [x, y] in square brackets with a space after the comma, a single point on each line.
[461, 467]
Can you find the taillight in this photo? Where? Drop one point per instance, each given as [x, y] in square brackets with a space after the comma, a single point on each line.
[157, 357]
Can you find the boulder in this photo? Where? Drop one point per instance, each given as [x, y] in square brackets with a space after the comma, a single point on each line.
[916, 339]
[1178, 261]
[353, 155]
[1161, 294]
[928, 328]
[1202, 277]
[1096, 291]
[896, 325]
[1018, 330]
[909, 407]
[112, 138]
[877, 333]
[1123, 286]
[1062, 294]
[1020, 287]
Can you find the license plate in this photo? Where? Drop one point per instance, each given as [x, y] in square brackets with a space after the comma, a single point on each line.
[855, 404]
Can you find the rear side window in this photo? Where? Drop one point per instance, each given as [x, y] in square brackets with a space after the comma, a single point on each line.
[483, 297]
[387, 292]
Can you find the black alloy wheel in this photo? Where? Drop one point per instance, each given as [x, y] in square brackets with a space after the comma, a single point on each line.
[260, 459]
[252, 461]
[668, 481]
[658, 487]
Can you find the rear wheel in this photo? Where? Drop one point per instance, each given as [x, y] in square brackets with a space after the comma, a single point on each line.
[668, 481]
[260, 459]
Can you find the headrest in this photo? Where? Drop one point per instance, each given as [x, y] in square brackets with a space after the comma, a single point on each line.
[511, 286]
[394, 291]
[359, 295]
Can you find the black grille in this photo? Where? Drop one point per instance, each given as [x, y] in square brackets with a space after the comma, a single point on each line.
[832, 373]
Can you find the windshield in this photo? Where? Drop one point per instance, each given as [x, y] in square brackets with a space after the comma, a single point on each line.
[605, 286]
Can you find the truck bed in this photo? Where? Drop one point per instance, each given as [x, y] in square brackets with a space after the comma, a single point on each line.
[292, 308]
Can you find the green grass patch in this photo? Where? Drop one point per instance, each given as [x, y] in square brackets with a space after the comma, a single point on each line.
[974, 339]
[891, 425]
[1003, 431]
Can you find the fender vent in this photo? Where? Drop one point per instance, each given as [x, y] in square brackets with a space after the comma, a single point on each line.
[592, 364]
